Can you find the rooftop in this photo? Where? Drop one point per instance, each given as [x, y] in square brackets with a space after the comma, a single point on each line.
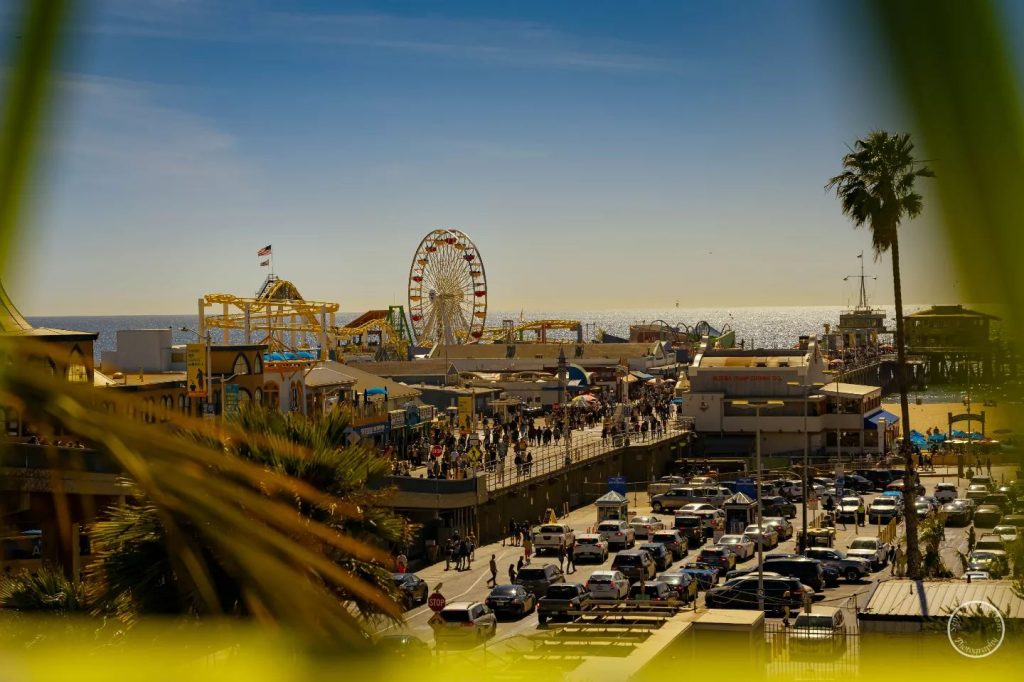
[951, 311]
[909, 599]
[843, 390]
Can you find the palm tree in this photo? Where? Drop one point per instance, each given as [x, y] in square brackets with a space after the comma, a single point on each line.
[134, 573]
[877, 190]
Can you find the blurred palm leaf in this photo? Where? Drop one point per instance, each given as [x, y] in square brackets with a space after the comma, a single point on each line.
[47, 590]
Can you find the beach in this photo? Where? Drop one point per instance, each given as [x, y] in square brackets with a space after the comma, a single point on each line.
[1005, 415]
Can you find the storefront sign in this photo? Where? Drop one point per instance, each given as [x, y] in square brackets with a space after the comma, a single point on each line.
[372, 429]
[426, 413]
[230, 400]
[397, 418]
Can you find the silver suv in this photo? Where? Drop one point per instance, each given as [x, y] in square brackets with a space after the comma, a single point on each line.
[618, 534]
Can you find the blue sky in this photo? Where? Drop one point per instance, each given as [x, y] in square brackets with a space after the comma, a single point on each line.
[601, 154]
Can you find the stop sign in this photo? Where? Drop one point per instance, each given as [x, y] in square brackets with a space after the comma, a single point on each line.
[436, 601]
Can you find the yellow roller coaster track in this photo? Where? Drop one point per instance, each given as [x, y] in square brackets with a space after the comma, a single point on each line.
[539, 328]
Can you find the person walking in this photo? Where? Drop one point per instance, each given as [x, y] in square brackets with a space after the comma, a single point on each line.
[519, 565]
[493, 565]
[401, 562]
[511, 533]
[561, 556]
[512, 574]
[449, 554]
[898, 561]
[860, 513]
[472, 546]
[970, 539]
[527, 544]
[570, 555]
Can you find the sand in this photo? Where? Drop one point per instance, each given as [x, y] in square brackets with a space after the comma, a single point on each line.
[929, 415]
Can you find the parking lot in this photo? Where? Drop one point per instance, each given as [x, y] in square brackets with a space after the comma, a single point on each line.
[473, 584]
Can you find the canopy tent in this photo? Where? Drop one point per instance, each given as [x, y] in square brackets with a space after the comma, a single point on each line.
[376, 391]
[873, 421]
[937, 438]
[643, 376]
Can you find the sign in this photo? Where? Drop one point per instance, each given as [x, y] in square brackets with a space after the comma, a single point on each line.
[195, 369]
[436, 602]
[426, 413]
[465, 405]
[397, 418]
[230, 400]
[372, 429]
[618, 484]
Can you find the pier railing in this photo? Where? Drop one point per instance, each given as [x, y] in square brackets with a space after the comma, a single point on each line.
[510, 475]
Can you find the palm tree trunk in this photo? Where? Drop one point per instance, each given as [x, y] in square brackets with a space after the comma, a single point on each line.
[909, 480]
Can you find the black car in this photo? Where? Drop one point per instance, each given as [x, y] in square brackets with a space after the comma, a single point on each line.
[855, 483]
[957, 514]
[511, 600]
[537, 579]
[403, 646]
[1001, 500]
[810, 572]
[877, 477]
[778, 506]
[411, 588]
[741, 593]
[661, 555]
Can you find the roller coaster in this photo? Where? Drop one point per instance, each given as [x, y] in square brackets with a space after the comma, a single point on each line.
[511, 332]
[280, 318]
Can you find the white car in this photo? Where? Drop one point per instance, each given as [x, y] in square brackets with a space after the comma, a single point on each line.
[643, 526]
[740, 545]
[608, 585]
[590, 547]
[767, 537]
[1009, 534]
[466, 621]
[550, 536]
[782, 526]
[618, 534]
[971, 576]
[696, 507]
[872, 549]
[945, 492]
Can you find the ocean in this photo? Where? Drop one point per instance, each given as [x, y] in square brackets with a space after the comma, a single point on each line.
[774, 327]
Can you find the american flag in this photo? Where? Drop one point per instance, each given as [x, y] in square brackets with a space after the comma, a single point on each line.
[265, 251]
[265, 263]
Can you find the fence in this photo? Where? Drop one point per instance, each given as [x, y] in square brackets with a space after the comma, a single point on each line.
[814, 652]
[506, 474]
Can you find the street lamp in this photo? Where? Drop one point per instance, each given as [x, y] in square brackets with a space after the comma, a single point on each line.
[757, 406]
[807, 448]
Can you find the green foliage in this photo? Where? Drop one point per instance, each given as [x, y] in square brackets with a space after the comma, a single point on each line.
[45, 590]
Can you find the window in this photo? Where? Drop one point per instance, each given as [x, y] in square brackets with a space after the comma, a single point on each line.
[77, 372]
[258, 368]
[271, 395]
[241, 365]
[257, 396]
[181, 404]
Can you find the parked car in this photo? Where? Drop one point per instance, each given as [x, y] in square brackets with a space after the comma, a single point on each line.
[922, 509]
[987, 516]
[810, 572]
[1000, 500]
[766, 537]
[871, 549]
[782, 527]
[608, 585]
[900, 486]
[660, 554]
[691, 527]
[618, 534]
[879, 478]
[673, 541]
[1013, 520]
[705, 575]
[849, 509]
[682, 583]
[694, 507]
[664, 484]
[411, 588]
[672, 499]
[778, 506]
[855, 483]
[643, 526]
[792, 489]
[634, 564]
[561, 600]
[722, 557]
[884, 509]
[945, 492]
[741, 593]
[971, 576]
[852, 568]
[464, 621]
[740, 545]
[651, 590]
[992, 561]
[985, 480]
[402, 646]
[1009, 534]
[977, 491]
[511, 600]
[589, 547]
[820, 632]
[990, 541]
[958, 512]
[711, 519]
[537, 579]
[550, 536]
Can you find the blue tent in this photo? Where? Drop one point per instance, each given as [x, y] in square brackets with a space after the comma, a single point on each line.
[936, 438]
[976, 436]
[918, 440]
[958, 434]
[376, 391]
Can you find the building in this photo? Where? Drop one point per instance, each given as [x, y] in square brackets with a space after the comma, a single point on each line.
[726, 384]
[901, 606]
[948, 327]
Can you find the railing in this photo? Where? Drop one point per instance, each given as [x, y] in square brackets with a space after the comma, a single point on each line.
[509, 475]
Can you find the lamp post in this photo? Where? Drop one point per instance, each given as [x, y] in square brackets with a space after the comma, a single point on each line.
[757, 407]
[807, 450]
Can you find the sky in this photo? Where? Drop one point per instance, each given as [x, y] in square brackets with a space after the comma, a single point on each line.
[601, 155]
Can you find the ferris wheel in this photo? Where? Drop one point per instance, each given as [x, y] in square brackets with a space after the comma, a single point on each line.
[447, 290]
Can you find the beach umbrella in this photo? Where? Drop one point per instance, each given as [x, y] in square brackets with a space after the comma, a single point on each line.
[937, 438]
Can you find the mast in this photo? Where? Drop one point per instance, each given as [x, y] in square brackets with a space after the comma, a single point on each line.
[863, 304]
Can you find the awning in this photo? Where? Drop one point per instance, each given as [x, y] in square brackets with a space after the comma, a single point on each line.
[874, 421]
[642, 375]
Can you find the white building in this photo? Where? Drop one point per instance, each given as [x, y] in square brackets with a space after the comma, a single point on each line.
[724, 384]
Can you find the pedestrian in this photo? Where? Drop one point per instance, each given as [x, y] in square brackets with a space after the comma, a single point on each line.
[512, 574]
[527, 545]
[493, 565]
[449, 553]
[860, 513]
[519, 565]
[401, 561]
[511, 533]
[472, 546]
[988, 465]
[897, 564]
[561, 556]
[970, 539]
[570, 555]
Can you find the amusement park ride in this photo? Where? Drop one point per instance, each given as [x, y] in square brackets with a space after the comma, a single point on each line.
[281, 318]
